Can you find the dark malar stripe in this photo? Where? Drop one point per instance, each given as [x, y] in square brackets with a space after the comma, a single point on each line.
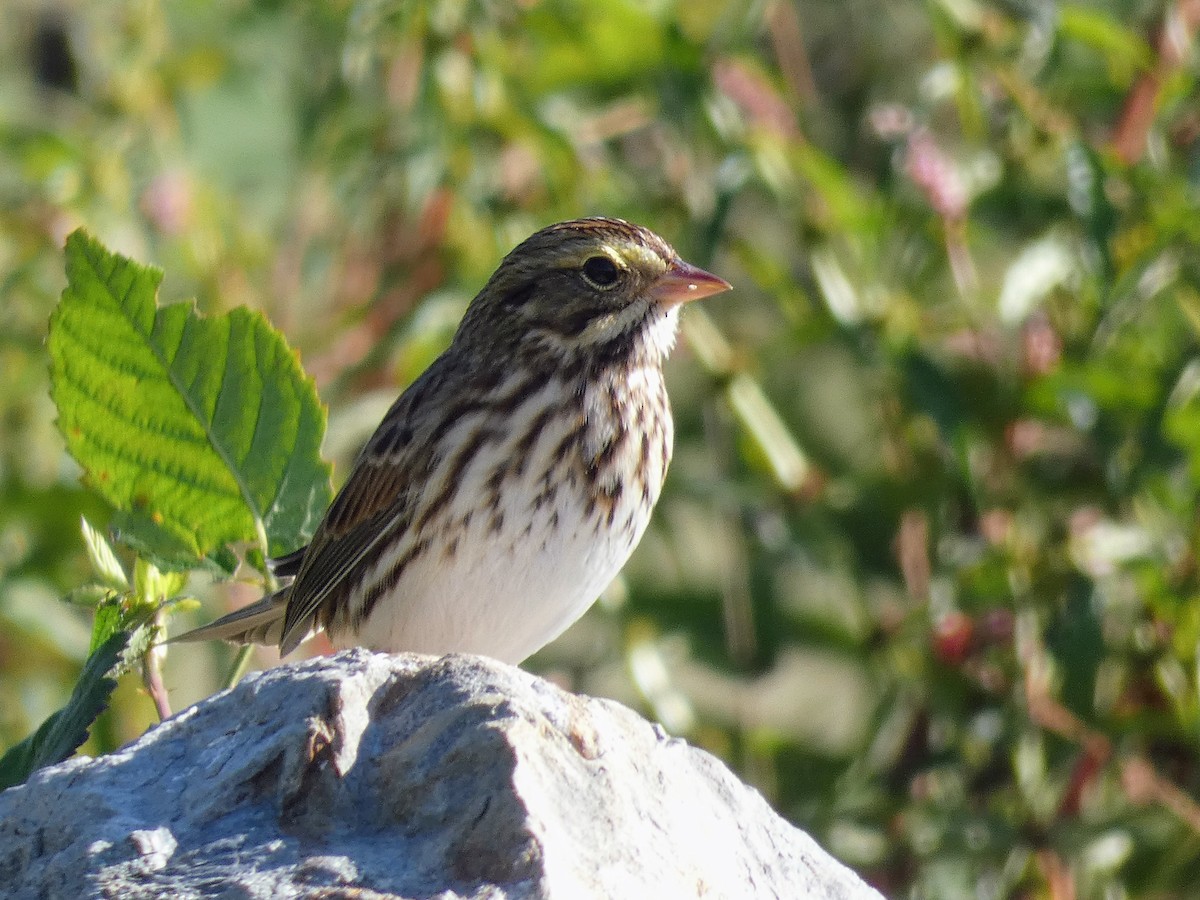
[616, 351]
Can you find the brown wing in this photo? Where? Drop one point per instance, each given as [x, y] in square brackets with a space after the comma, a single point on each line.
[368, 510]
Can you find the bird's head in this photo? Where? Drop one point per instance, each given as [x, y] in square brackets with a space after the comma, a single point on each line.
[580, 285]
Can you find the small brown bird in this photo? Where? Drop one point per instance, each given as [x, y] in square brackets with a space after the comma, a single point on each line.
[508, 485]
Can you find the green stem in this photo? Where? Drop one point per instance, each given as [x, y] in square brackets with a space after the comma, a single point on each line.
[240, 665]
[152, 670]
[270, 583]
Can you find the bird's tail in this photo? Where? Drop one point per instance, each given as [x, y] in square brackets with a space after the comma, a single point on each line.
[258, 623]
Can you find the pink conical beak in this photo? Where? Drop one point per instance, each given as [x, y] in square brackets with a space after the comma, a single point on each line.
[684, 282]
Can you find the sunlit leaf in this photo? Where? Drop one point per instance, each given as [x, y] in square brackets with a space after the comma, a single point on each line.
[206, 425]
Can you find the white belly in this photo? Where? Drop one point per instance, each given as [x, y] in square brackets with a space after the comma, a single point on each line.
[501, 595]
[506, 592]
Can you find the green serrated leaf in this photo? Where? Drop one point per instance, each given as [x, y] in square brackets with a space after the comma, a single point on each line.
[166, 551]
[63, 733]
[104, 560]
[205, 424]
[137, 532]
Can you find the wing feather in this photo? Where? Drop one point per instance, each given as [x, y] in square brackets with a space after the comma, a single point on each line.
[369, 512]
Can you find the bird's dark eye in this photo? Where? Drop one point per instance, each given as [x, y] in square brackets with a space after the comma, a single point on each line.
[601, 271]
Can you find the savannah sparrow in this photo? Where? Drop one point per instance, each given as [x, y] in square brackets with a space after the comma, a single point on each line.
[507, 485]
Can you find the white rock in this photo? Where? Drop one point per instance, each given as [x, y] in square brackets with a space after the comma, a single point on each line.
[378, 776]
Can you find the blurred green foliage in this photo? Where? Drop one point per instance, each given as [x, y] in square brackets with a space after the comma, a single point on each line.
[925, 571]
